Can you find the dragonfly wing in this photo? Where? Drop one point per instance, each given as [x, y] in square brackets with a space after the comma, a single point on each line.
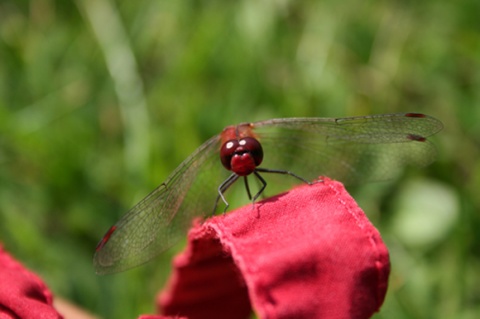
[162, 218]
[352, 150]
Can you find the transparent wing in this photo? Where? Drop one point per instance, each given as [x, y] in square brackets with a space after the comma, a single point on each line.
[352, 150]
[162, 218]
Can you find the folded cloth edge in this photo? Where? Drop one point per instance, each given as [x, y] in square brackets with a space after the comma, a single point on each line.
[22, 293]
[247, 234]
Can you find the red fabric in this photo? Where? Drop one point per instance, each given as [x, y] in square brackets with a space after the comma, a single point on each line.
[309, 253]
[23, 294]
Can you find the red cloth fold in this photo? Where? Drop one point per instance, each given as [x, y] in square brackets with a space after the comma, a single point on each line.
[309, 253]
[22, 293]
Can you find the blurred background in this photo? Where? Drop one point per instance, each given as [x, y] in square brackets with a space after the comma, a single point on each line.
[100, 100]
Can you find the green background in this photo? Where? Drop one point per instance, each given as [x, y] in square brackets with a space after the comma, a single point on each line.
[101, 99]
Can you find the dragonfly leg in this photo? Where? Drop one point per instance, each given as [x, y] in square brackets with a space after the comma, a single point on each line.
[247, 187]
[262, 188]
[279, 171]
[222, 189]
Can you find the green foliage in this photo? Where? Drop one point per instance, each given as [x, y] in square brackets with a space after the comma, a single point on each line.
[101, 99]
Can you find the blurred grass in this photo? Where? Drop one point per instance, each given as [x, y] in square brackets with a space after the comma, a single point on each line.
[101, 99]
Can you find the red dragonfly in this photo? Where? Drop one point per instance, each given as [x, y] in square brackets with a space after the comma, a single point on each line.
[351, 150]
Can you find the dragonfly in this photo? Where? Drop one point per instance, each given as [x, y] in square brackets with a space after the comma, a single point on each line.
[352, 150]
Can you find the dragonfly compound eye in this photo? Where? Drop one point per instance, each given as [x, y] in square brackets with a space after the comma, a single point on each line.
[241, 156]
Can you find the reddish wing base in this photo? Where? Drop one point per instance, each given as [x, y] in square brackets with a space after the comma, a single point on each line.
[309, 253]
